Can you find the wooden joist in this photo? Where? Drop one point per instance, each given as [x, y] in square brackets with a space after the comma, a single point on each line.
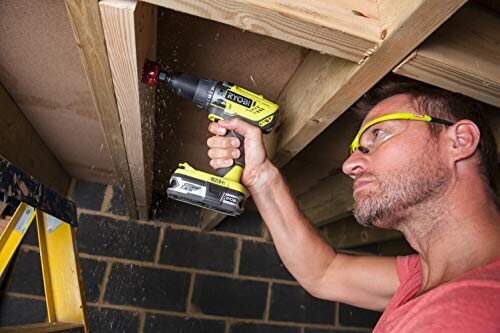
[130, 32]
[463, 56]
[349, 233]
[87, 28]
[21, 145]
[328, 201]
[325, 86]
[339, 28]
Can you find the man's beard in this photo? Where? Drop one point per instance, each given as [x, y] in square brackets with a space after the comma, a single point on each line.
[394, 193]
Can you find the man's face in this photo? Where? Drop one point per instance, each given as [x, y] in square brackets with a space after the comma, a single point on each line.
[403, 171]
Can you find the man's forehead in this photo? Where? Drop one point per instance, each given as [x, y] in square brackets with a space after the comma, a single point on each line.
[394, 104]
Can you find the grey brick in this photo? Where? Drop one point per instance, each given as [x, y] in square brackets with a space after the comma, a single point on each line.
[198, 250]
[163, 323]
[118, 205]
[20, 311]
[249, 223]
[229, 297]
[172, 211]
[293, 303]
[353, 316]
[147, 287]
[92, 275]
[124, 239]
[262, 328]
[261, 259]
[111, 320]
[333, 330]
[26, 274]
[89, 195]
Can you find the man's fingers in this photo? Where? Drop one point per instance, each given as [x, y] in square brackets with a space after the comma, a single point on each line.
[241, 127]
[219, 153]
[215, 128]
[222, 142]
[221, 163]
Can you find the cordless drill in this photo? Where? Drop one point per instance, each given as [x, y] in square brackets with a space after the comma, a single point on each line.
[223, 191]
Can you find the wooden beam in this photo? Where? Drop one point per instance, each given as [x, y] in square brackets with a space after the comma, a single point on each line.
[21, 145]
[328, 201]
[339, 28]
[320, 160]
[44, 328]
[461, 56]
[349, 233]
[87, 28]
[130, 32]
[325, 86]
[395, 247]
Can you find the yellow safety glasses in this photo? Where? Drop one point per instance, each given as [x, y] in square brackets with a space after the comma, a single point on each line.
[370, 137]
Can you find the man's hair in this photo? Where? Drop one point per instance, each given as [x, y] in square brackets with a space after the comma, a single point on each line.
[444, 104]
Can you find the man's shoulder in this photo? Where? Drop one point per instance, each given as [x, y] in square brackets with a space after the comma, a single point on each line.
[465, 305]
[481, 282]
[472, 299]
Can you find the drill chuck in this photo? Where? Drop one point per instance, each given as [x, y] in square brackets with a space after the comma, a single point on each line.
[197, 90]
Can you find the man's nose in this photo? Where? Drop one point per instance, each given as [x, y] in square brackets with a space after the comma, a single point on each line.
[355, 164]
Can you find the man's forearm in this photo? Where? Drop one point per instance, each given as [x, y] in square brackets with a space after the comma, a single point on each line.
[306, 255]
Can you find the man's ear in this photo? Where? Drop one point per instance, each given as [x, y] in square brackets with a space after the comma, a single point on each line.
[464, 135]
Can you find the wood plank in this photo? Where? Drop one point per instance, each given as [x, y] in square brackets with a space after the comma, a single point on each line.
[349, 233]
[45, 328]
[395, 247]
[21, 145]
[340, 28]
[325, 86]
[130, 33]
[329, 200]
[89, 36]
[461, 56]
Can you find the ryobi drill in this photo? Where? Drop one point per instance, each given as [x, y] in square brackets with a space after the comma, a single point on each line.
[221, 192]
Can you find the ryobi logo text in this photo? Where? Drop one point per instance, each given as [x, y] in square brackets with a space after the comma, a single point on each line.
[237, 98]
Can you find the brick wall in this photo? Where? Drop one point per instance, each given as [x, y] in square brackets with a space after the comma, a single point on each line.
[164, 275]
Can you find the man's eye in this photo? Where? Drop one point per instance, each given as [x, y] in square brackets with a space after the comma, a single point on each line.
[377, 132]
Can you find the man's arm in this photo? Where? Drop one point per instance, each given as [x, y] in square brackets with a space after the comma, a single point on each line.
[368, 282]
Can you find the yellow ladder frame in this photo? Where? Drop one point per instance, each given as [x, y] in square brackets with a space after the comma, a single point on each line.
[60, 267]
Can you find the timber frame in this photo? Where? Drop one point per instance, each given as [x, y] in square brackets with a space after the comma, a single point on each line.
[352, 49]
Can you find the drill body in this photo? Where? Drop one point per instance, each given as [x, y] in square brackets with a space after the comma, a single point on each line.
[223, 191]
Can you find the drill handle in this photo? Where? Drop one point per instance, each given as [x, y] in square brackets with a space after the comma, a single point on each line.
[240, 160]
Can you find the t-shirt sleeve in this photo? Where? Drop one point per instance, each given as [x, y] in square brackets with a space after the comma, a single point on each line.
[407, 266]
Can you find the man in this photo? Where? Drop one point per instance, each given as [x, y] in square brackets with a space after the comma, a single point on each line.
[423, 163]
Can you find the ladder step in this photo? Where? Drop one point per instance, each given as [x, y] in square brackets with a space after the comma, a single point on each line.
[44, 328]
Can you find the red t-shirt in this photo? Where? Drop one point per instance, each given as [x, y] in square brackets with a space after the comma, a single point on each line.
[468, 303]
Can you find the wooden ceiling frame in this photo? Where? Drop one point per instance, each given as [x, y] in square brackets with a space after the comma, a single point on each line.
[449, 58]
[325, 86]
[318, 93]
[347, 233]
[338, 28]
[443, 60]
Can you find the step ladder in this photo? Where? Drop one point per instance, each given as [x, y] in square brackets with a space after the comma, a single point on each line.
[56, 220]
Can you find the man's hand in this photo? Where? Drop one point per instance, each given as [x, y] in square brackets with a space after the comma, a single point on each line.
[258, 169]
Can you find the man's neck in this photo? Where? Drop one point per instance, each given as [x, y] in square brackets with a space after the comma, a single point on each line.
[453, 234]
